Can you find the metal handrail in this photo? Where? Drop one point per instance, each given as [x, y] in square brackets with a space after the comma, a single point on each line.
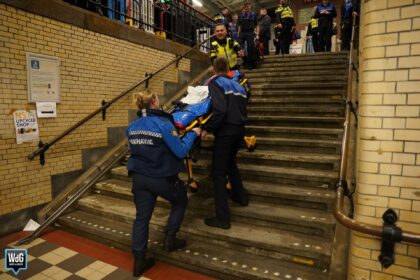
[43, 147]
[342, 188]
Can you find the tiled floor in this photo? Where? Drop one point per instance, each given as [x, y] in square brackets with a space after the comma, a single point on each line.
[60, 255]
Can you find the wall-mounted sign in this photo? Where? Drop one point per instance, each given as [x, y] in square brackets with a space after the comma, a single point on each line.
[43, 78]
[46, 109]
[26, 126]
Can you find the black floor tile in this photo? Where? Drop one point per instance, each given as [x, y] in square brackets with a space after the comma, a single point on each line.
[76, 263]
[34, 267]
[42, 249]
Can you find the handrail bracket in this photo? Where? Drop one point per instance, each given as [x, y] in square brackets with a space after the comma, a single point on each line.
[391, 234]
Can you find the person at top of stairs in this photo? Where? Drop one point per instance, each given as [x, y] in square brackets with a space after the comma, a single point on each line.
[156, 158]
[286, 23]
[225, 46]
[325, 13]
[229, 108]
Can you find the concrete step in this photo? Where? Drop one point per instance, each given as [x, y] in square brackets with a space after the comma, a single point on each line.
[295, 132]
[284, 159]
[298, 63]
[306, 57]
[296, 111]
[278, 174]
[287, 195]
[297, 79]
[290, 145]
[293, 121]
[336, 101]
[279, 244]
[211, 260]
[279, 216]
[297, 73]
[301, 85]
[277, 68]
[303, 93]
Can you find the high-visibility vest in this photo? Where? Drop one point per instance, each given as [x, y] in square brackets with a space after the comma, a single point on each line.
[314, 23]
[227, 51]
[286, 12]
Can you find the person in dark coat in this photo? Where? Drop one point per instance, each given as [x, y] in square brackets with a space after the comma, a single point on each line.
[264, 30]
[246, 33]
[229, 108]
[349, 9]
[325, 13]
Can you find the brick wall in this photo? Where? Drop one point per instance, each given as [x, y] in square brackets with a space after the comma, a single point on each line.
[93, 67]
[388, 135]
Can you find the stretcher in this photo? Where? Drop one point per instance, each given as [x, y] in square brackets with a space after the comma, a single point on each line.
[188, 116]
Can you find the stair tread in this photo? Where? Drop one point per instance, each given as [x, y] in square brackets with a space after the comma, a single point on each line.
[294, 156]
[254, 209]
[240, 233]
[318, 118]
[263, 139]
[308, 129]
[209, 257]
[294, 108]
[254, 188]
[294, 99]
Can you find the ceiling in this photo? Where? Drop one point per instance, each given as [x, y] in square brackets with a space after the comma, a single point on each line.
[212, 7]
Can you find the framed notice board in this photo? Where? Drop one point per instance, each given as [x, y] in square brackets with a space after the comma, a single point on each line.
[43, 78]
[304, 15]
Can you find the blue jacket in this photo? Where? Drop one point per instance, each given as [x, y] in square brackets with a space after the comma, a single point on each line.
[156, 149]
[229, 103]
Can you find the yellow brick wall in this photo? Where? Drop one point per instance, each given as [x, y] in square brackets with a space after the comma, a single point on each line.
[388, 160]
[93, 67]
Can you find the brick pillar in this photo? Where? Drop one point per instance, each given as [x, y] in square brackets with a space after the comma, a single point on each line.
[388, 159]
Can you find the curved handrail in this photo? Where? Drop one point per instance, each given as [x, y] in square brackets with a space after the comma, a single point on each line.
[342, 187]
[43, 147]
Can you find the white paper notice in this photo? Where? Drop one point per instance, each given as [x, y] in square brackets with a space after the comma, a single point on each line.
[26, 126]
[46, 109]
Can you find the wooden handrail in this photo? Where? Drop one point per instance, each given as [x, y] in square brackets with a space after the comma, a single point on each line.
[342, 187]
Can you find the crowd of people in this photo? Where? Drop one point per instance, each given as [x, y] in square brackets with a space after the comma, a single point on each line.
[247, 34]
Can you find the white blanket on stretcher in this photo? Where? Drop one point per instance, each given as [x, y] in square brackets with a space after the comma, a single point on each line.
[196, 95]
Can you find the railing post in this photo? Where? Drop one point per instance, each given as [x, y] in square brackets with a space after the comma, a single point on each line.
[391, 235]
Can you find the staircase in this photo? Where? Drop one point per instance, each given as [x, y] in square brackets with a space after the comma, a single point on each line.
[288, 231]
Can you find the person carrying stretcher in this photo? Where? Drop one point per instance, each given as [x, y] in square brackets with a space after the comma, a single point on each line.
[229, 114]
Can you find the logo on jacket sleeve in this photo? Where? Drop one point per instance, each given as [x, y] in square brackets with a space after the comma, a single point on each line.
[174, 133]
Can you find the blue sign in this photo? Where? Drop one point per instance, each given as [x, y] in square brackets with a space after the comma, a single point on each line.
[16, 260]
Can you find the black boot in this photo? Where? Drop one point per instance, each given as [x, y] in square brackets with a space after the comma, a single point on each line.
[214, 222]
[172, 243]
[141, 264]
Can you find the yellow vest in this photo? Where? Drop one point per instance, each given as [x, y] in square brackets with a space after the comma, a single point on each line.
[227, 51]
[314, 23]
[286, 12]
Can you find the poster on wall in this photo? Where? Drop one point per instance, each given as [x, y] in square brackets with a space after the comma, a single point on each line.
[26, 126]
[43, 78]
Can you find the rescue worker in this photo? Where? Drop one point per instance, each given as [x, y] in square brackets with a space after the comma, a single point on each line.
[264, 30]
[246, 33]
[325, 13]
[156, 158]
[313, 32]
[224, 46]
[229, 108]
[285, 22]
[348, 10]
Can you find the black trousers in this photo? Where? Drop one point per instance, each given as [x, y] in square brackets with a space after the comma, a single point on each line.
[226, 145]
[248, 37]
[315, 40]
[286, 38]
[325, 34]
[265, 41]
[146, 190]
[346, 35]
